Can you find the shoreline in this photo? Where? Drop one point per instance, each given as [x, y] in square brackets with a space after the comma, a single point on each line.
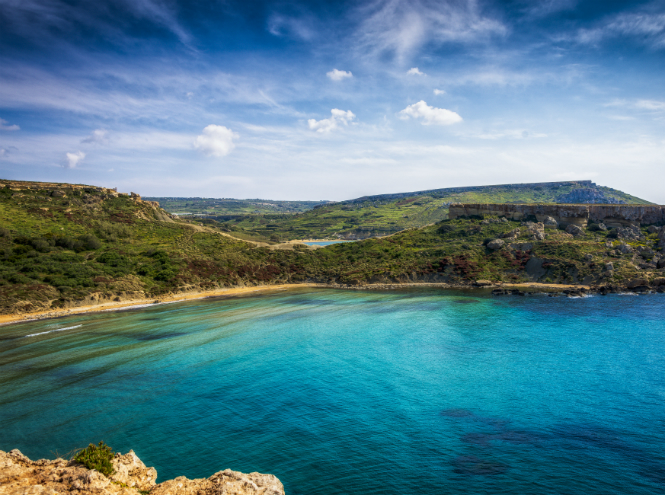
[505, 288]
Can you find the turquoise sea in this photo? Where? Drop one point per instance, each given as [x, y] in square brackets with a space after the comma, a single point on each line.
[323, 243]
[356, 392]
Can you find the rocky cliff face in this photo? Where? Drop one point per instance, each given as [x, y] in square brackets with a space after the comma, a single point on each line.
[21, 476]
[580, 215]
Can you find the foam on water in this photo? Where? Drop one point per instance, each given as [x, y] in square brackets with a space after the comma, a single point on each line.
[55, 330]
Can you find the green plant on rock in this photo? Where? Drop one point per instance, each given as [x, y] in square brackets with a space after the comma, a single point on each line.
[97, 457]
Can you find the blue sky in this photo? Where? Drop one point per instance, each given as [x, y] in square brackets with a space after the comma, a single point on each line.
[332, 100]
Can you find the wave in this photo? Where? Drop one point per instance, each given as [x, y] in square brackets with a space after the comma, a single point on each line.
[56, 330]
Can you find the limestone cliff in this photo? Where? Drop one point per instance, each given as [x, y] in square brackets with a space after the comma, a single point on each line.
[21, 476]
[580, 215]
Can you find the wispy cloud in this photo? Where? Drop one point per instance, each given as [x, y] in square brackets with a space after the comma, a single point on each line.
[439, 92]
[430, 115]
[5, 126]
[400, 28]
[414, 71]
[98, 136]
[647, 28]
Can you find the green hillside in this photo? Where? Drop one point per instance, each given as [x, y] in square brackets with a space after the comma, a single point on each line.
[64, 245]
[380, 215]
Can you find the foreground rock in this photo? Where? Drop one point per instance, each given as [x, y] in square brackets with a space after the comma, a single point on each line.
[21, 476]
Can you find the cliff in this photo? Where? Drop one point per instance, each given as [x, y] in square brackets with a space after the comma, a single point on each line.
[580, 215]
[21, 476]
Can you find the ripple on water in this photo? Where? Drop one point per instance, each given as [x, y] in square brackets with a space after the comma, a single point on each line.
[476, 466]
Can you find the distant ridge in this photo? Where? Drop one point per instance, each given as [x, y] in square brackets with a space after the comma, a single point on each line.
[452, 190]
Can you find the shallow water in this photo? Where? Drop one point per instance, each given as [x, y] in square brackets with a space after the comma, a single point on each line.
[323, 243]
[345, 392]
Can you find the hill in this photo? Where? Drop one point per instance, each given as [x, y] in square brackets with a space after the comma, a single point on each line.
[385, 214]
[64, 245]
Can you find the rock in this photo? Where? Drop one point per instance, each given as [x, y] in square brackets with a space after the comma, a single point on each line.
[538, 236]
[658, 282]
[499, 292]
[511, 235]
[21, 476]
[631, 232]
[482, 283]
[495, 244]
[503, 219]
[550, 223]
[588, 257]
[595, 227]
[574, 230]
[132, 472]
[653, 229]
[609, 245]
[224, 482]
[661, 239]
[645, 252]
[609, 266]
[637, 282]
[661, 263]
[57, 193]
[624, 248]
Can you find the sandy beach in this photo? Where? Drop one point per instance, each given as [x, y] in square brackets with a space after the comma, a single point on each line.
[237, 291]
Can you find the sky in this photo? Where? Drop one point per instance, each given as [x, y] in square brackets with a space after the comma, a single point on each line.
[332, 100]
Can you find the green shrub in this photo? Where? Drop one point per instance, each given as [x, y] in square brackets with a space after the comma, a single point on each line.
[97, 457]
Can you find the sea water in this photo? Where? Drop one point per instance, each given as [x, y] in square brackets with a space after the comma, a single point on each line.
[356, 392]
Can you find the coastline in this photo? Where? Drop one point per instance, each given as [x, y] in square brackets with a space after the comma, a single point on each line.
[234, 291]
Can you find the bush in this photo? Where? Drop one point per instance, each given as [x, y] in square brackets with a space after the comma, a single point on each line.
[89, 242]
[97, 457]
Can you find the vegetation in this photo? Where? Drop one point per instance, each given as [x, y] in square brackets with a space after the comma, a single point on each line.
[60, 249]
[231, 208]
[386, 214]
[97, 457]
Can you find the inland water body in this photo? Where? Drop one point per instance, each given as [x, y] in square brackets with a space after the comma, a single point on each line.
[345, 392]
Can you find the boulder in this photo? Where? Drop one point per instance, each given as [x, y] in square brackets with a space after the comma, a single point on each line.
[595, 227]
[57, 193]
[512, 234]
[653, 229]
[661, 263]
[645, 252]
[495, 244]
[624, 248]
[658, 282]
[609, 266]
[574, 230]
[483, 283]
[631, 232]
[550, 223]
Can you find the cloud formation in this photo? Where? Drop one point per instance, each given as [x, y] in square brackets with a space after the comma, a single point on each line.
[439, 92]
[339, 75]
[646, 27]
[73, 159]
[430, 115]
[215, 140]
[99, 136]
[414, 71]
[337, 117]
[5, 127]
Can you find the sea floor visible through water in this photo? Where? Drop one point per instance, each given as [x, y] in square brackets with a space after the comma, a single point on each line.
[356, 392]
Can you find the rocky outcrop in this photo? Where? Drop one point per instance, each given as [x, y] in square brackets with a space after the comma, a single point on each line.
[21, 476]
[564, 215]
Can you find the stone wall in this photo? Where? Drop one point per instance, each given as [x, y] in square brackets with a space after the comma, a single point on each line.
[580, 215]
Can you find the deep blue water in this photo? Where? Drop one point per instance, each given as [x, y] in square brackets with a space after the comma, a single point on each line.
[345, 392]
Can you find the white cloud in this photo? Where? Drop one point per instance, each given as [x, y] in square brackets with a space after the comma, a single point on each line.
[338, 75]
[73, 159]
[439, 92]
[414, 71]
[647, 27]
[430, 115]
[5, 127]
[216, 140]
[326, 125]
[99, 136]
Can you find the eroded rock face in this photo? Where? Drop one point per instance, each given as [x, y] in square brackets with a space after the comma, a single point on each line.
[21, 476]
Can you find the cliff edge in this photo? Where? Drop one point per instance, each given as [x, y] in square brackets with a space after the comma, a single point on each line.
[21, 476]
